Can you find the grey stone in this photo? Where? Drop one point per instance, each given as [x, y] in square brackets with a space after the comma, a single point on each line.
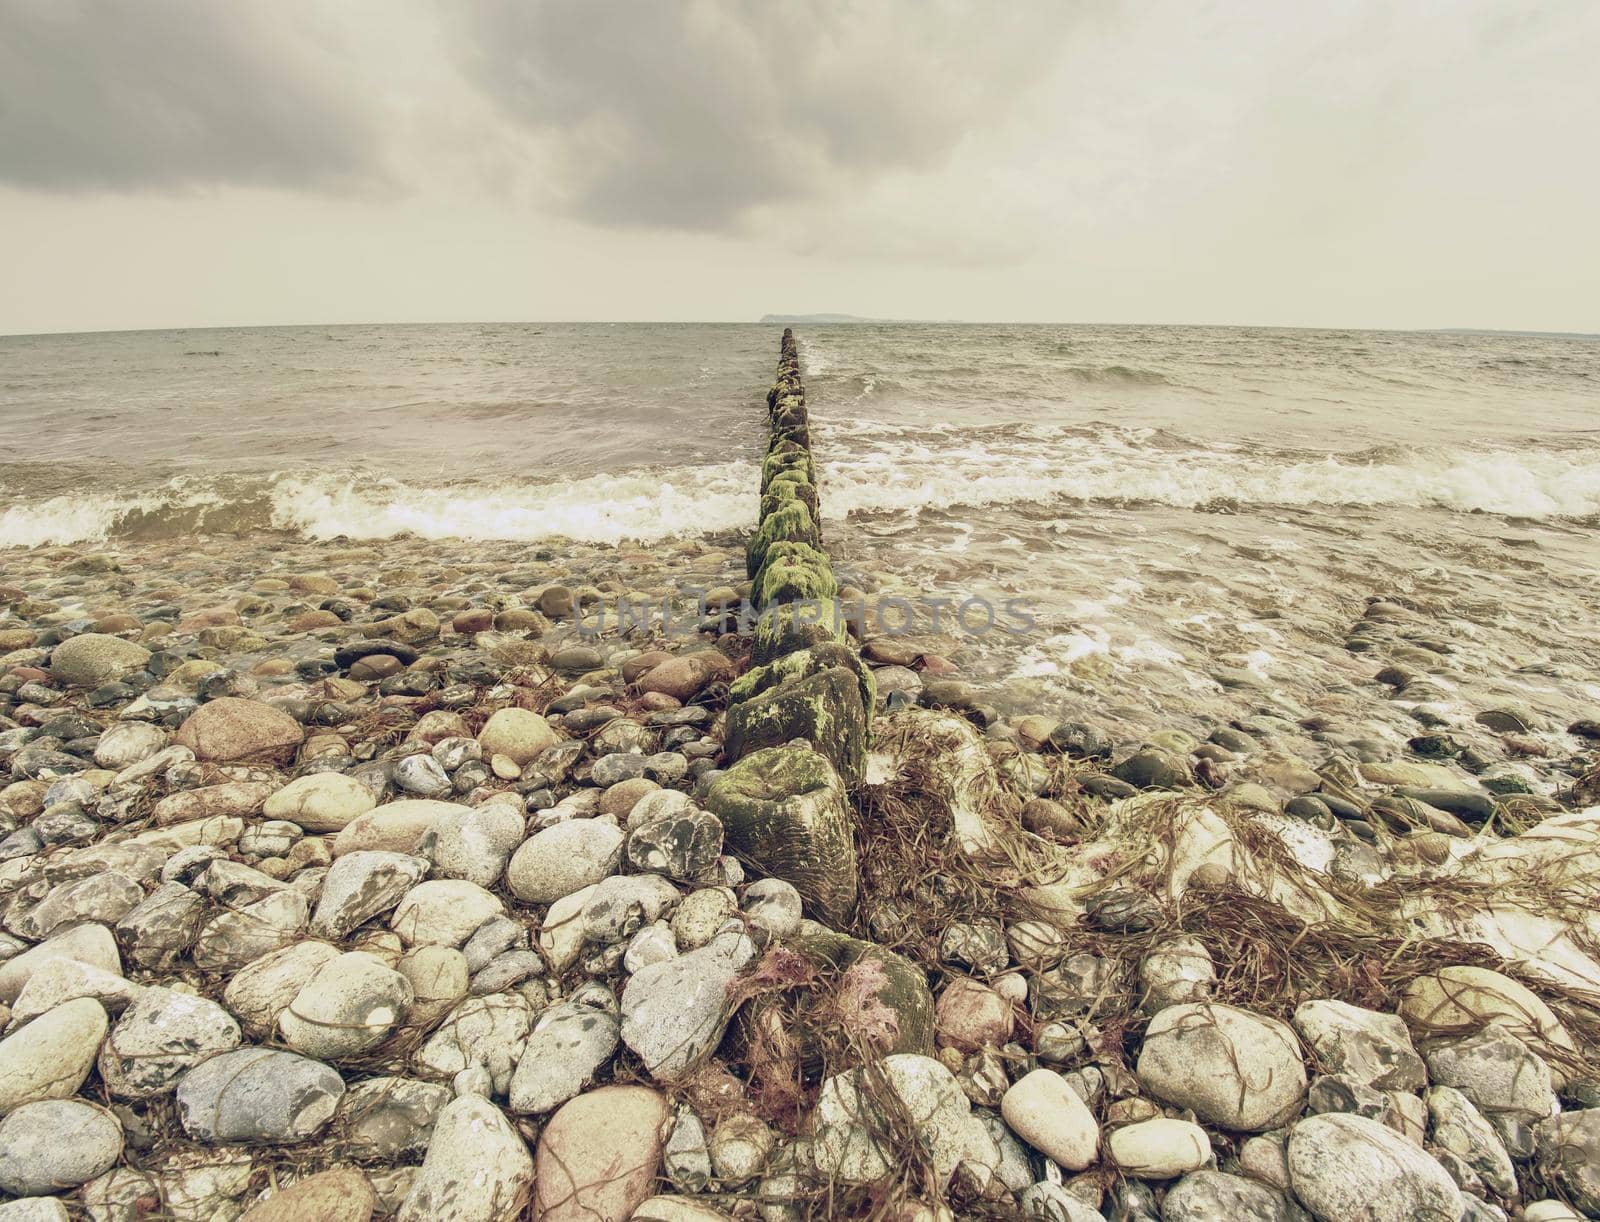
[473, 843]
[258, 1095]
[360, 886]
[623, 904]
[477, 1168]
[1457, 1126]
[674, 1013]
[488, 1031]
[1497, 1071]
[1235, 1069]
[849, 1141]
[775, 906]
[163, 927]
[262, 990]
[55, 1144]
[159, 1037]
[1352, 1169]
[684, 846]
[389, 1118]
[1215, 1196]
[1365, 1045]
[91, 944]
[569, 1044]
[50, 1057]
[1568, 1154]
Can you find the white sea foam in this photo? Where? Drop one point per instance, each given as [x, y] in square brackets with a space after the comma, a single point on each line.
[637, 507]
[897, 475]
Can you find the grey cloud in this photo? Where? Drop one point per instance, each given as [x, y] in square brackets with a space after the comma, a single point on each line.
[109, 94]
[687, 116]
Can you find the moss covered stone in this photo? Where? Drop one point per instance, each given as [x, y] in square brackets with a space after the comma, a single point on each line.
[792, 523]
[783, 810]
[793, 572]
[802, 664]
[781, 491]
[824, 709]
[786, 456]
[786, 627]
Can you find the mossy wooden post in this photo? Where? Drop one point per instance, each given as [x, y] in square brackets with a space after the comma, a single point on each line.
[784, 805]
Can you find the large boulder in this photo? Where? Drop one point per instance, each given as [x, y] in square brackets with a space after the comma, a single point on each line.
[93, 658]
[231, 728]
[783, 809]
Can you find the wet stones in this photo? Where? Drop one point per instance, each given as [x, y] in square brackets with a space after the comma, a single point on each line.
[93, 658]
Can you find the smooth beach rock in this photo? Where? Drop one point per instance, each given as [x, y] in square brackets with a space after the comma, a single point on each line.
[970, 1016]
[92, 658]
[517, 734]
[257, 1095]
[599, 1155]
[1047, 1114]
[1159, 1148]
[350, 1004]
[231, 728]
[1457, 997]
[477, 1168]
[343, 1194]
[261, 990]
[58, 981]
[560, 860]
[443, 912]
[88, 943]
[51, 1056]
[489, 1031]
[127, 743]
[321, 802]
[56, 1144]
[394, 827]
[1233, 1068]
[1352, 1169]
[682, 676]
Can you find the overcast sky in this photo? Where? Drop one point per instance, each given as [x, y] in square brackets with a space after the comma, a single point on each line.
[1403, 163]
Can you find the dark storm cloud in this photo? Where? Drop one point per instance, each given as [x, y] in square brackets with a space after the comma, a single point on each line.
[114, 94]
[687, 115]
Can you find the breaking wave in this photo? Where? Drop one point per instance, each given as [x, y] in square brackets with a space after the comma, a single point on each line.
[894, 473]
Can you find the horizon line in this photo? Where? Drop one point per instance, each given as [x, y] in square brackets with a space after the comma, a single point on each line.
[794, 320]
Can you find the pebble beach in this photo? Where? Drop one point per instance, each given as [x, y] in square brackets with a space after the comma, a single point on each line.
[358, 878]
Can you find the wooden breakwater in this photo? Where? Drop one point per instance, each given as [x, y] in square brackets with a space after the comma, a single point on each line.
[799, 721]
